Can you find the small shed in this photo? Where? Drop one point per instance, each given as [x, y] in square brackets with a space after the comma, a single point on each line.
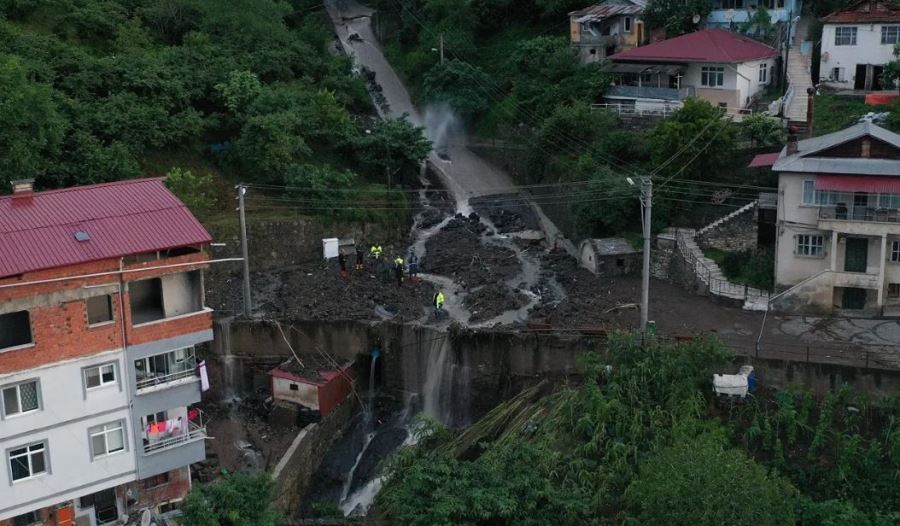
[313, 384]
[610, 256]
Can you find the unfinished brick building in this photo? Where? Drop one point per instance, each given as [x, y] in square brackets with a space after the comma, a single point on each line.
[101, 306]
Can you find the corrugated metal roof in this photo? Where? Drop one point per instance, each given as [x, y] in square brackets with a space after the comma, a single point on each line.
[764, 159]
[612, 246]
[37, 231]
[609, 9]
[806, 161]
[707, 46]
[864, 12]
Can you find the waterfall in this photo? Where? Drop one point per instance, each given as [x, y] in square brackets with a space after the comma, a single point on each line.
[222, 327]
[445, 392]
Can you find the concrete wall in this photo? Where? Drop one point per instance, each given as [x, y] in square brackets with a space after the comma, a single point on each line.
[795, 219]
[718, 17]
[822, 378]
[300, 462]
[868, 50]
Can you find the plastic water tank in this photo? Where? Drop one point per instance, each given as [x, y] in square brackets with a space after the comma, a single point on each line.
[330, 247]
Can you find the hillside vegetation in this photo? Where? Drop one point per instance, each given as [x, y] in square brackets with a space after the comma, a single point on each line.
[639, 443]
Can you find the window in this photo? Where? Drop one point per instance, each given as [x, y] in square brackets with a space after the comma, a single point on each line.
[28, 461]
[712, 76]
[773, 4]
[172, 295]
[107, 439]
[27, 519]
[763, 73]
[166, 367]
[100, 375]
[15, 329]
[156, 480]
[99, 309]
[895, 251]
[893, 290]
[732, 4]
[21, 398]
[845, 36]
[627, 24]
[891, 201]
[890, 34]
[837, 74]
[809, 192]
[809, 245]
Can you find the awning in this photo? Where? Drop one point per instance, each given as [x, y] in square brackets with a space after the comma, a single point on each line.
[859, 183]
[764, 159]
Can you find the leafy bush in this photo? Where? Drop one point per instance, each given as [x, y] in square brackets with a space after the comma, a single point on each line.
[239, 500]
[196, 191]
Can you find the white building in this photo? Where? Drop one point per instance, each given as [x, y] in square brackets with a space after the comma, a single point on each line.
[838, 222]
[727, 69]
[856, 44]
[606, 28]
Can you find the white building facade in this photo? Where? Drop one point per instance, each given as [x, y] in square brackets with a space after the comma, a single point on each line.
[856, 45]
[838, 223]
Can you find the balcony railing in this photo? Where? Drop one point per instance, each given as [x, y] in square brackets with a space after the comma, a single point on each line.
[147, 383]
[859, 213]
[187, 431]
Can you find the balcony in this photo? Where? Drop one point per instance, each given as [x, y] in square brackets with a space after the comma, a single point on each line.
[165, 371]
[591, 39]
[178, 432]
[862, 220]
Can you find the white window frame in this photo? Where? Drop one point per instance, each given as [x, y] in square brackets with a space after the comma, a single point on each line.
[845, 35]
[890, 35]
[44, 449]
[100, 368]
[894, 256]
[889, 201]
[714, 74]
[764, 73]
[105, 430]
[18, 386]
[809, 245]
[809, 192]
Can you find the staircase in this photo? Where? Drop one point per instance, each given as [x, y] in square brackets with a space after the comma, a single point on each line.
[709, 273]
[799, 75]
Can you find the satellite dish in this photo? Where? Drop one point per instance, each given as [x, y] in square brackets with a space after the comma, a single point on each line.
[773, 19]
[825, 56]
[696, 19]
[146, 518]
[729, 15]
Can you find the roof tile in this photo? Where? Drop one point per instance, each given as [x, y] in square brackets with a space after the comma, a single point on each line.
[709, 46]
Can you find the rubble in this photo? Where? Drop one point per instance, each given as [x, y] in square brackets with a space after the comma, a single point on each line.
[457, 251]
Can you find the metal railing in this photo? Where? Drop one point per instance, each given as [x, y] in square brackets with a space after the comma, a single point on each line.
[859, 213]
[188, 431]
[662, 110]
[153, 381]
[715, 285]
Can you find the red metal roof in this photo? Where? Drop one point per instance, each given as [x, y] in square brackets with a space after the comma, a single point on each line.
[858, 183]
[709, 46]
[37, 231]
[864, 12]
[764, 159]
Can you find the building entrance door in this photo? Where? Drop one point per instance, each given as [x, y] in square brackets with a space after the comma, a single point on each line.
[859, 81]
[857, 254]
[854, 299]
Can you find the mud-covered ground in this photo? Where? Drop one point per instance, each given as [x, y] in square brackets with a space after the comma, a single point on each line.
[318, 291]
[492, 300]
[507, 212]
[458, 252]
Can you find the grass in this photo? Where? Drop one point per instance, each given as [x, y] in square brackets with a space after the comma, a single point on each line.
[836, 112]
[747, 267]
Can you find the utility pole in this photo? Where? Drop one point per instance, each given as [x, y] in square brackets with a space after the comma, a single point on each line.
[647, 203]
[787, 54]
[442, 48]
[247, 303]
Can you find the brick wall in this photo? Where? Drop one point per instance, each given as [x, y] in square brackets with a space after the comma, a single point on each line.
[58, 312]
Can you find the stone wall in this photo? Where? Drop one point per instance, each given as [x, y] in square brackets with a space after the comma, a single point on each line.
[278, 243]
[735, 235]
[821, 378]
[300, 462]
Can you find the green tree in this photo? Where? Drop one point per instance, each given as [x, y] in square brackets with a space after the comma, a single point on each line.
[459, 84]
[759, 25]
[269, 144]
[31, 125]
[676, 16]
[393, 144]
[239, 90]
[891, 73]
[697, 140]
[196, 191]
[763, 131]
[239, 500]
[607, 206]
[700, 481]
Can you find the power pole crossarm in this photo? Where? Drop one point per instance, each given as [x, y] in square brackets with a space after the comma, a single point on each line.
[248, 306]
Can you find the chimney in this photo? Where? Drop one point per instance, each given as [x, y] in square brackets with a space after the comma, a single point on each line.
[792, 144]
[22, 187]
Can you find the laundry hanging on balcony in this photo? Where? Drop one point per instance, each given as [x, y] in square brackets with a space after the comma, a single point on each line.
[204, 377]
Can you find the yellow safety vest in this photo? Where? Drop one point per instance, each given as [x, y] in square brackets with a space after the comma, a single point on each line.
[440, 298]
[398, 261]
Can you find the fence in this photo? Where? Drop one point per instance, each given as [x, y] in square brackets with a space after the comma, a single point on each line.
[662, 110]
[715, 283]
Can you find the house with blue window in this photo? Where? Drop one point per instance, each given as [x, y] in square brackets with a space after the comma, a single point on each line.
[838, 222]
[856, 44]
[727, 12]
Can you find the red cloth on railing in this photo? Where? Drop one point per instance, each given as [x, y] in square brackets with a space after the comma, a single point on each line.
[193, 414]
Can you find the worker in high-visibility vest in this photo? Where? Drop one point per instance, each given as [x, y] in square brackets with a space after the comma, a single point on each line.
[398, 270]
[438, 303]
[375, 251]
